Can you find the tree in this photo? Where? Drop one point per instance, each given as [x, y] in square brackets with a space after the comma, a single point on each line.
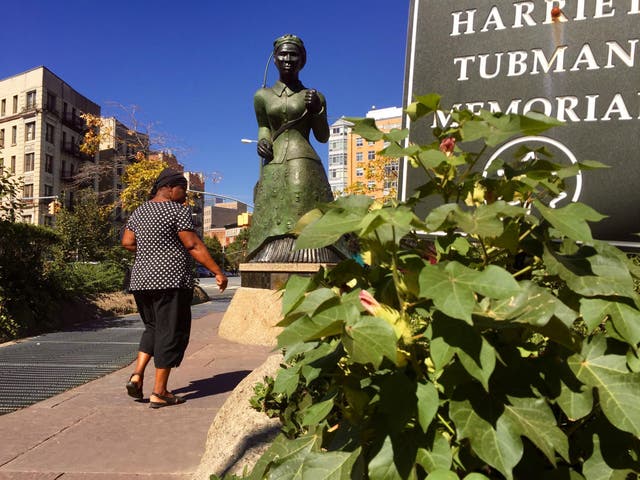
[138, 179]
[85, 231]
[10, 203]
[215, 248]
[236, 251]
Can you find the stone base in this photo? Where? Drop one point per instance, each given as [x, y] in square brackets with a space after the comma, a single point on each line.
[256, 307]
[274, 275]
[239, 434]
[252, 316]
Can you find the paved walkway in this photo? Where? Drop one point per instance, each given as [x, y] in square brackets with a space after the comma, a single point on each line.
[97, 432]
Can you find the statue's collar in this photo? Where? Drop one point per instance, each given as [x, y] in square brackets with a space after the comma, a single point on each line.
[280, 88]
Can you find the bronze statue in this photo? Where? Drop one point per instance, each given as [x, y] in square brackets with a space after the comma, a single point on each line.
[292, 177]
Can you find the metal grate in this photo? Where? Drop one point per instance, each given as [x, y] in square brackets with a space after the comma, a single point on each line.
[43, 366]
[47, 365]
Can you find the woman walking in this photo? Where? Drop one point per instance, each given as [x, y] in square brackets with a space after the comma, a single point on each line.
[161, 232]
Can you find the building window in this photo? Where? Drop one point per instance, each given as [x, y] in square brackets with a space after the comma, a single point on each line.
[3, 107]
[51, 102]
[14, 135]
[371, 155]
[49, 132]
[359, 156]
[48, 163]
[26, 219]
[1, 137]
[359, 172]
[371, 143]
[1, 165]
[15, 104]
[13, 164]
[31, 99]
[27, 191]
[359, 142]
[29, 131]
[48, 191]
[29, 162]
[371, 184]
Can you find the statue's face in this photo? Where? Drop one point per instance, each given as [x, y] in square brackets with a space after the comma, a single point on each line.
[288, 58]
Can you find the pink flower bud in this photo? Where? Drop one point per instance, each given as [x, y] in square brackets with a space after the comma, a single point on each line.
[369, 303]
[447, 145]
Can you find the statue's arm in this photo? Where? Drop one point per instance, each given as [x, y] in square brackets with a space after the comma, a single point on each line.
[265, 147]
[319, 122]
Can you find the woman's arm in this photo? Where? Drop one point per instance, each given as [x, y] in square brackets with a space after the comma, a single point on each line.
[129, 240]
[198, 250]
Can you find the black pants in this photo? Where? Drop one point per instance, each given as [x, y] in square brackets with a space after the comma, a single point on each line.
[167, 320]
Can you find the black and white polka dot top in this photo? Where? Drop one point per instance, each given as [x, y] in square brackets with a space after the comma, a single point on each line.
[161, 261]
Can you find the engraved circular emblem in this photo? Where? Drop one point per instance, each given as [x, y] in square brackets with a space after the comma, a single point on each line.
[560, 154]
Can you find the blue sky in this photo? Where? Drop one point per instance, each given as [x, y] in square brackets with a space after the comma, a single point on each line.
[192, 67]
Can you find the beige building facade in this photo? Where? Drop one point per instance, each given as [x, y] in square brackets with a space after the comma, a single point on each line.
[355, 165]
[40, 132]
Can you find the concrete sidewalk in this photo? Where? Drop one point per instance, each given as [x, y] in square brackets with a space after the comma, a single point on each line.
[96, 431]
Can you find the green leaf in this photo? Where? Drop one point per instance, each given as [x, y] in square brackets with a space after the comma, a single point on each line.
[497, 129]
[317, 412]
[596, 468]
[441, 352]
[366, 128]
[382, 466]
[438, 457]
[500, 447]
[476, 355]
[282, 450]
[533, 418]
[314, 300]
[428, 403]
[439, 215]
[370, 339]
[443, 475]
[496, 282]
[618, 388]
[329, 465]
[571, 220]
[577, 271]
[533, 305]
[475, 476]
[431, 159]
[295, 288]
[625, 319]
[449, 295]
[484, 221]
[575, 405]
[424, 105]
[328, 229]
[287, 380]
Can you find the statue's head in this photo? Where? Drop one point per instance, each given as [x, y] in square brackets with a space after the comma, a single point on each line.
[291, 45]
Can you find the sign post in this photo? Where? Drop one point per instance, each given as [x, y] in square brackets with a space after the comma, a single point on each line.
[578, 61]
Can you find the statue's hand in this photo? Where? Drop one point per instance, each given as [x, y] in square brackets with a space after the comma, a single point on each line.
[265, 149]
[312, 101]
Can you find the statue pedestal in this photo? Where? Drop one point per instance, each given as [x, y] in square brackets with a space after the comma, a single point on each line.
[256, 306]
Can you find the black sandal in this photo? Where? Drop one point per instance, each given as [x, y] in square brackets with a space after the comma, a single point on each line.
[172, 400]
[134, 389]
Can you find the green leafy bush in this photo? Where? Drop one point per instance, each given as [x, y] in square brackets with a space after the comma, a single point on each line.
[504, 347]
[25, 292]
[87, 278]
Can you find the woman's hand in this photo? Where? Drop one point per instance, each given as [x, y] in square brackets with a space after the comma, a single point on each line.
[221, 281]
[265, 149]
[312, 101]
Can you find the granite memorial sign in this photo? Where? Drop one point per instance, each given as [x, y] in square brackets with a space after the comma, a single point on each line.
[578, 61]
